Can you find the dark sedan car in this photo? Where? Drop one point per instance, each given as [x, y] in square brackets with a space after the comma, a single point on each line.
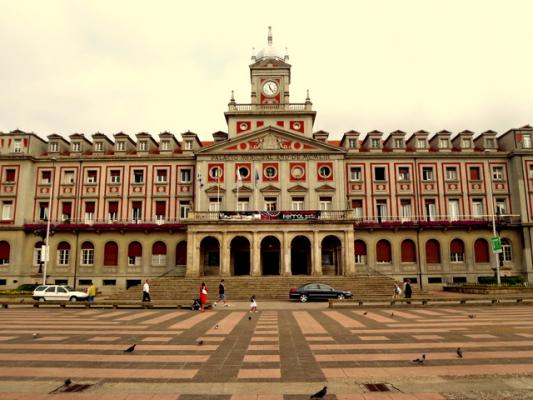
[317, 291]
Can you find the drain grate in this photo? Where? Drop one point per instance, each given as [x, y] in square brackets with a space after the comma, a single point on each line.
[73, 388]
[377, 387]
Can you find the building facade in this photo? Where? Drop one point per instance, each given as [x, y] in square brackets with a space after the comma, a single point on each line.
[270, 196]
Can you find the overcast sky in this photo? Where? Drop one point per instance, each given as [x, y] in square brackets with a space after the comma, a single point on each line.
[109, 66]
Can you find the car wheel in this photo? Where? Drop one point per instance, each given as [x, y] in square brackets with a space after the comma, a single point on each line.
[73, 298]
[42, 299]
[303, 298]
[340, 297]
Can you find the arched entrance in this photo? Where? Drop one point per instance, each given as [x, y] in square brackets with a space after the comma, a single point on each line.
[240, 256]
[209, 256]
[300, 256]
[331, 256]
[270, 256]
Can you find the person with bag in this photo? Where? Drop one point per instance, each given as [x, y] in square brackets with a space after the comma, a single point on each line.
[203, 297]
[397, 291]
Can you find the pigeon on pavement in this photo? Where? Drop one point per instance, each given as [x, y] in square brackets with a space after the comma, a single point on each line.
[471, 316]
[67, 381]
[250, 318]
[392, 314]
[459, 352]
[216, 326]
[200, 342]
[320, 394]
[130, 349]
[35, 335]
[420, 360]
[366, 312]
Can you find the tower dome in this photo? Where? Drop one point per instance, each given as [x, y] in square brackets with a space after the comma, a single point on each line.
[269, 51]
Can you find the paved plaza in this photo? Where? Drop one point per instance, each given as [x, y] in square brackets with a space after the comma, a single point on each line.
[285, 351]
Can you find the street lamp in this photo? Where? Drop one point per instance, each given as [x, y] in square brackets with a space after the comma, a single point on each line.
[45, 251]
[495, 236]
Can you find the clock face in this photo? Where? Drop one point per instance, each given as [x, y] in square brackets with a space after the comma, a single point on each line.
[270, 88]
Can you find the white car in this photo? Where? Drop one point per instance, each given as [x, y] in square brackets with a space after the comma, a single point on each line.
[58, 292]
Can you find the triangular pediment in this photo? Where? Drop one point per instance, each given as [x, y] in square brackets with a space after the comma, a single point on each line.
[270, 188]
[215, 189]
[297, 188]
[243, 189]
[325, 188]
[268, 140]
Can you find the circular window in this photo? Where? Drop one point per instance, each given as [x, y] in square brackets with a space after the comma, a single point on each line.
[296, 126]
[244, 172]
[324, 171]
[215, 172]
[297, 172]
[270, 172]
[243, 126]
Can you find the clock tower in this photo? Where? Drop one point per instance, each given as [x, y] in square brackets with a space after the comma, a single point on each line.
[270, 78]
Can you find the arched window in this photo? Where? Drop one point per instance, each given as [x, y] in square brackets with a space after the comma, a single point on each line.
[4, 252]
[181, 253]
[383, 252]
[87, 253]
[159, 254]
[63, 253]
[111, 254]
[37, 253]
[408, 251]
[507, 250]
[360, 252]
[457, 251]
[481, 251]
[432, 252]
[135, 252]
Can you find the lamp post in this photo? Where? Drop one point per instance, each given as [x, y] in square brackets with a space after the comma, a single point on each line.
[45, 251]
[495, 235]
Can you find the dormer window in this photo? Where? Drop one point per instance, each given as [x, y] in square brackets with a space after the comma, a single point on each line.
[526, 141]
[54, 147]
[98, 146]
[420, 143]
[17, 145]
[490, 143]
[165, 145]
[352, 143]
[188, 145]
[121, 146]
[143, 146]
[374, 143]
[465, 143]
[76, 146]
[398, 143]
[444, 143]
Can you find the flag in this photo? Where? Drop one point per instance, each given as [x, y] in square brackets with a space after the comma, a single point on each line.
[256, 175]
[239, 178]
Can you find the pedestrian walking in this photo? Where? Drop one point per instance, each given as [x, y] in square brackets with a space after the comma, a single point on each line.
[91, 291]
[146, 291]
[408, 291]
[203, 296]
[253, 304]
[221, 294]
[396, 291]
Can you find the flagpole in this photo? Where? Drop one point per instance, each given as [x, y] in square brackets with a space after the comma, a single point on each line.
[238, 184]
[218, 191]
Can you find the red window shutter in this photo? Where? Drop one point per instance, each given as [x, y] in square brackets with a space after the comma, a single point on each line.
[432, 252]
[63, 246]
[115, 172]
[357, 204]
[66, 208]
[160, 208]
[457, 246]
[111, 253]
[136, 204]
[181, 253]
[135, 249]
[4, 250]
[10, 175]
[408, 251]
[89, 207]
[383, 251]
[481, 251]
[360, 248]
[87, 246]
[159, 248]
[43, 204]
[47, 175]
[91, 173]
[474, 174]
[162, 172]
[113, 206]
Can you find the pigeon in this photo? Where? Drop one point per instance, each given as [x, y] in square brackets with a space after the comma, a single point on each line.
[200, 342]
[67, 382]
[392, 314]
[420, 360]
[459, 352]
[21, 300]
[216, 326]
[250, 318]
[320, 394]
[130, 349]
[366, 312]
[471, 316]
[35, 335]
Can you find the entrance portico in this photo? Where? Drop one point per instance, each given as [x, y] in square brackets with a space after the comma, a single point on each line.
[229, 249]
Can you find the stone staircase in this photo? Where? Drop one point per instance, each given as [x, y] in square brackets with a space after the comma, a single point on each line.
[365, 286]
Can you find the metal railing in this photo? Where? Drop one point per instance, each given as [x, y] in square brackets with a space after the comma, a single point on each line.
[270, 107]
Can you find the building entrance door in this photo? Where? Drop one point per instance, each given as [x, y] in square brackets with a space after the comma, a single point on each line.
[240, 256]
[270, 256]
[300, 256]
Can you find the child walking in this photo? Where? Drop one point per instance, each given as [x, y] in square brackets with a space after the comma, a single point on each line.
[253, 304]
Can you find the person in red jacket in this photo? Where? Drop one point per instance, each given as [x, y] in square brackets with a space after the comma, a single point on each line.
[203, 296]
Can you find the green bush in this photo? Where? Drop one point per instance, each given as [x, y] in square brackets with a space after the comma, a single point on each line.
[27, 287]
[506, 280]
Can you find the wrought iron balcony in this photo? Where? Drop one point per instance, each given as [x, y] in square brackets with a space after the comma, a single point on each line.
[271, 107]
[107, 224]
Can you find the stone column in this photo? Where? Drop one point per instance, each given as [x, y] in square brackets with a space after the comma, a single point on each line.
[316, 258]
[285, 255]
[348, 252]
[255, 269]
[224, 268]
[193, 256]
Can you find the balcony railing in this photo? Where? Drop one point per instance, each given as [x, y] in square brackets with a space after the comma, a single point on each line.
[106, 224]
[271, 107]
